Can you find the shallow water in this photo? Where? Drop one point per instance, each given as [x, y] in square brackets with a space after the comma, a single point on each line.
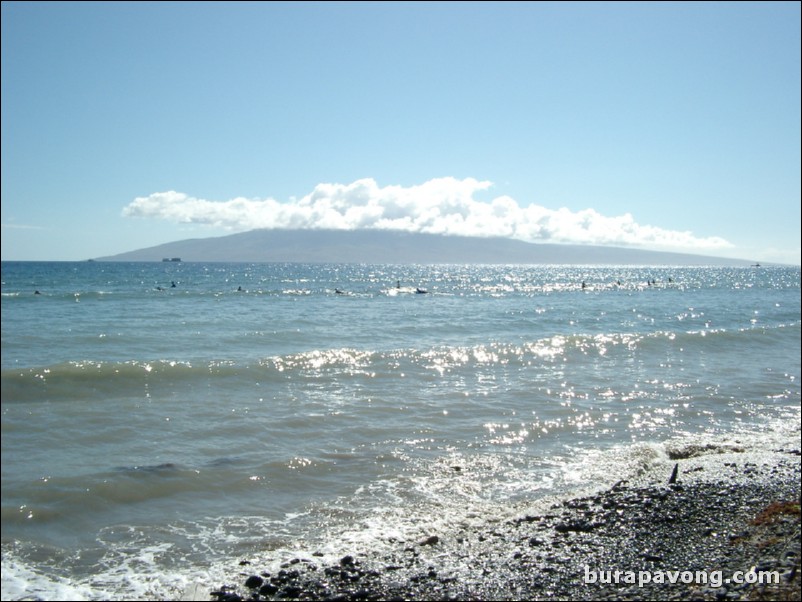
[151, 434]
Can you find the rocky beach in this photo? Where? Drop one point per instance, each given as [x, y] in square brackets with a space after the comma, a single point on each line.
[254, 433]
[718, 526]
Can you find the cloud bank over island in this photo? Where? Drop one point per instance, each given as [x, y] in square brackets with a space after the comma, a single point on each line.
[445, 206]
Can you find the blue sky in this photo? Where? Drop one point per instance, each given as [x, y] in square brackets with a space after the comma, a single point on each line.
[668, 126]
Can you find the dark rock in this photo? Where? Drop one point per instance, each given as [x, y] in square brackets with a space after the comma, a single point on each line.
[580, 526]
[253, 582]
[291, 591]
[227, 597]
[268, 589]
[673, 478]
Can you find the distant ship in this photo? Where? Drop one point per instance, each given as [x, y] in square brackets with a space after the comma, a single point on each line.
[171, 259]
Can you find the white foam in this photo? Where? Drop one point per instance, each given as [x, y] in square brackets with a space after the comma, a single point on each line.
[652, 463]
[433, 497]
[21, 582]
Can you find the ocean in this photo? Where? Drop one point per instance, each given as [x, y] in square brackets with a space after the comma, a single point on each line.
[162, 422]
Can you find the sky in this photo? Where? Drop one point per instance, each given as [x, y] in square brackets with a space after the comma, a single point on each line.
[661, 126]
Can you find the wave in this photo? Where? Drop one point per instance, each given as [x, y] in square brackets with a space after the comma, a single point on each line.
[91, 379]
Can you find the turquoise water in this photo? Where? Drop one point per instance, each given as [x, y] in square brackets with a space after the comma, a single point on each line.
[153, 434]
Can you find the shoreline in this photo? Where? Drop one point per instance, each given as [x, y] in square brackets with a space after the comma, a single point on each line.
[723, 511]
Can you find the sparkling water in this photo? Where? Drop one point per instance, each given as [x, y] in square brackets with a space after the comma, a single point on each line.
[162, 421]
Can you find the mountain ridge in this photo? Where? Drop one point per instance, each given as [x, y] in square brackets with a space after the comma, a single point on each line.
[397, 247]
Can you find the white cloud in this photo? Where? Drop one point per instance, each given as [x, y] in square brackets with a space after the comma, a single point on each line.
[440, 206]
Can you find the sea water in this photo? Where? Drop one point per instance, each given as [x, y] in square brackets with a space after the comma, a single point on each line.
[163, 421]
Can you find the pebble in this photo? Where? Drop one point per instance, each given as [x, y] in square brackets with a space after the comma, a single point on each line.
[693, 526]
